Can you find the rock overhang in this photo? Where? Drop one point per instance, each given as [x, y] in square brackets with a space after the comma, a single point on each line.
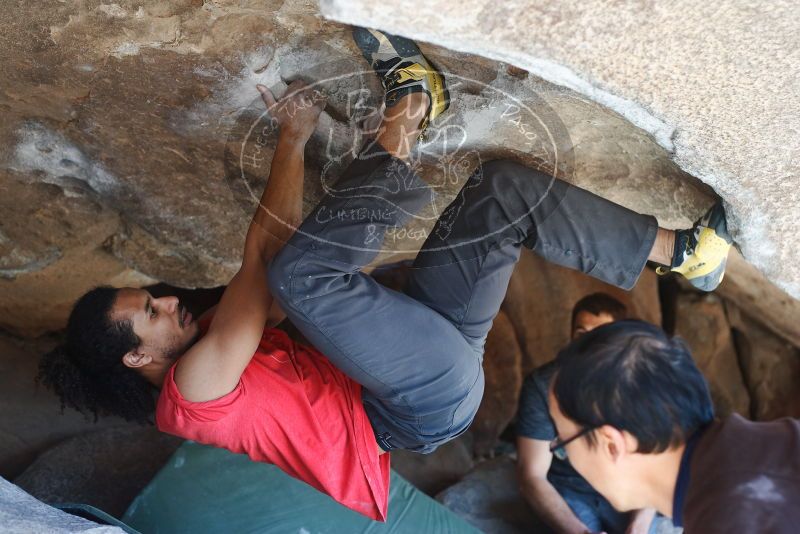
[143, 99]
[716, 85]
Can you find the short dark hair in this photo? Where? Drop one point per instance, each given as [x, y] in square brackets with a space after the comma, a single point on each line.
[598, 303]
[632, 376]
[87, 372]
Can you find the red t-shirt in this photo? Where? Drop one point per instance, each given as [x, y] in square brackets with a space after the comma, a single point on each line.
[294, 409]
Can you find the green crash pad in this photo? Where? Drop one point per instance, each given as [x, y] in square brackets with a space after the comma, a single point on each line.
[205, 489]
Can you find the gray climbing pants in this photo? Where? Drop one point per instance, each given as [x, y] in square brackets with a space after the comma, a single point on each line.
[418, 353]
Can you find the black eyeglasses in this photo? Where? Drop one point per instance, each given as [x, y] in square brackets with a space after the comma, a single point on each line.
[557, 446]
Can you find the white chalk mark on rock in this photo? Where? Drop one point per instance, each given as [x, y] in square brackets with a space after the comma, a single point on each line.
[59, 161]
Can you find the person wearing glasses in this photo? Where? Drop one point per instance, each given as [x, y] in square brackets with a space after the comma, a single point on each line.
[634, 416]
[560, 497]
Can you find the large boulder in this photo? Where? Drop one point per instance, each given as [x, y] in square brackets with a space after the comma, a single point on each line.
[712, 83]
[489, 498]
[21, 512]
[748, 289]
[105, 469]
[434, 472]
[51, 251]
[770, 365]
[702, 322]
[125, 153]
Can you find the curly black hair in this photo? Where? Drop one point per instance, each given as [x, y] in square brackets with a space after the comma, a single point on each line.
[87, 372]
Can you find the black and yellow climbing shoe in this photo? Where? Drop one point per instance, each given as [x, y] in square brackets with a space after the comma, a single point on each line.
[403, 70]
[701, 252]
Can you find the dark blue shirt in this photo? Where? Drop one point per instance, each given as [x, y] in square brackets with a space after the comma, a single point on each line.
[682, 485]
[533, 421]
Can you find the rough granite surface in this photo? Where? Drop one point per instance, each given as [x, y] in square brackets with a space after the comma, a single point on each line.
[125, 156]
[123, 124]
[21, 513]
[716, 84]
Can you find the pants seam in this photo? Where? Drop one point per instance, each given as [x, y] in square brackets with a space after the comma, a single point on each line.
[468, 307]
[469, 392]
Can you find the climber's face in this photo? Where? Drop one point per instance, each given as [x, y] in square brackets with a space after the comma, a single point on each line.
[164, 326]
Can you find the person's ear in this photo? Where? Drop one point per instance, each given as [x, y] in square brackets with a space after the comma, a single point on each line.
[135, 359]
[612, 442]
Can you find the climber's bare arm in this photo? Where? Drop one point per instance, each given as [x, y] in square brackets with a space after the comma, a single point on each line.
[213, 365]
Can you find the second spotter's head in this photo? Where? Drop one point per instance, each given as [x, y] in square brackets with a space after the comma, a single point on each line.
[634, 393]
[595, 310]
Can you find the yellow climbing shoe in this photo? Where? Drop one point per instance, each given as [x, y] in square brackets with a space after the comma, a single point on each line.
[701, 252]
[403, 70]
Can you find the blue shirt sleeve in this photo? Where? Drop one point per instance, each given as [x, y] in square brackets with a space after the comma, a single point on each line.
[533, 418]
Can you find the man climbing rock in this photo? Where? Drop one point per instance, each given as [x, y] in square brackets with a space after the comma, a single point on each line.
[387, 370]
